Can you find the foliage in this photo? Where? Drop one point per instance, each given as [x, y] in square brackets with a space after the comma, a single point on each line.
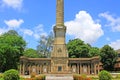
[2, 59]
[11, 74]
[105, 75]
[11, 48]
[108, 57]
[1, 75]
[33, 75]
[94, 51]
[40, 77]
[117, 76]
[81, 77]
[77, 48]
[75, 77]
[21, 78]
[45, 45]
[1, 79]
[84, 76]
[31, 53]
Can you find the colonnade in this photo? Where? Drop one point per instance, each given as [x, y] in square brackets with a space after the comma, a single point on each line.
[79, 68]
[38, 68]
[84, 68]
[44, 66]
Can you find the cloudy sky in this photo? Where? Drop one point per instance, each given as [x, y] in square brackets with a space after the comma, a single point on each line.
[96, 22]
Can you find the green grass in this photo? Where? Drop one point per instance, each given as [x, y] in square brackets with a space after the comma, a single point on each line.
[1, 79]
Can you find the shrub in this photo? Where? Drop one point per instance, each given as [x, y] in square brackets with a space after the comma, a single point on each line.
[21, 78]
[41, 77]
[1, 76]
[76, 77]
[29, 79]
[88, 78]
[33, 75]
[38, 78]
[118, 76]
[1, 79]
[81, 77]
[11, 74]
[105, 75]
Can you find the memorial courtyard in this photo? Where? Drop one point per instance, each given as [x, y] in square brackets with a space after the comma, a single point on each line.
[62, 63]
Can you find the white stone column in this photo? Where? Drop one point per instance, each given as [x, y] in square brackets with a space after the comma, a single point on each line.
[88, 68]
[20, 68]
[29, 69]
[81, 71]
[78, 68]
[95, 68]
[98, 68]
[23, 72]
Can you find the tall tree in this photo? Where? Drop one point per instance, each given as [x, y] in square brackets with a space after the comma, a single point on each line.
[94, 51]
[2, 59]
[108, 57]
[77, 48]
[45, 45]
[31, 53]
[12, 46]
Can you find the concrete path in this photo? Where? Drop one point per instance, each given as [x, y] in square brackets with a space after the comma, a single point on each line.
[59, 77]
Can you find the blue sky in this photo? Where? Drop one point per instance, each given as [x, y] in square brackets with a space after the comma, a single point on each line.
[95, 21]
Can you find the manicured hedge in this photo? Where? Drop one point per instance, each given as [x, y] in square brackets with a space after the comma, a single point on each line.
[105, 75]
[11, 74]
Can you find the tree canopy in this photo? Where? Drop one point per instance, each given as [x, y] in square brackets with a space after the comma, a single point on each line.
[78, 49]
[94, 51]
[12, 46]
[45, 45]
[108, 57]
[31, 53]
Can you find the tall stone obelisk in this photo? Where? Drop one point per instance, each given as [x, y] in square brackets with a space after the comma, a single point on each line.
[60, 13]
[59, 55]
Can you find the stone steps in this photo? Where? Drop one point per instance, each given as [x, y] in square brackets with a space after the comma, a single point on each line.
[59, 77]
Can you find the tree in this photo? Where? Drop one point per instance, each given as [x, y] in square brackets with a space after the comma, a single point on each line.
[45, 45]
[108, 57]
[11, 74]
[12, 46]
[31, 53]
[105, 75]
[77, 48]
[94, 51]
[2, 59]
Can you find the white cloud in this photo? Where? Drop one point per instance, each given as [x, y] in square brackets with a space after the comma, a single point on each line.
[116, 44]
[16, 4]
[84, 27]
[27, 32]
[2, 31]
[37, 35]
[14, 23]
[39, 28]
[108, 39]
[112, 21]
[36, 32]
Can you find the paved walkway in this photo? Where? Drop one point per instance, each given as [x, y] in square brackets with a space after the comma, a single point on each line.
[59, 77]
